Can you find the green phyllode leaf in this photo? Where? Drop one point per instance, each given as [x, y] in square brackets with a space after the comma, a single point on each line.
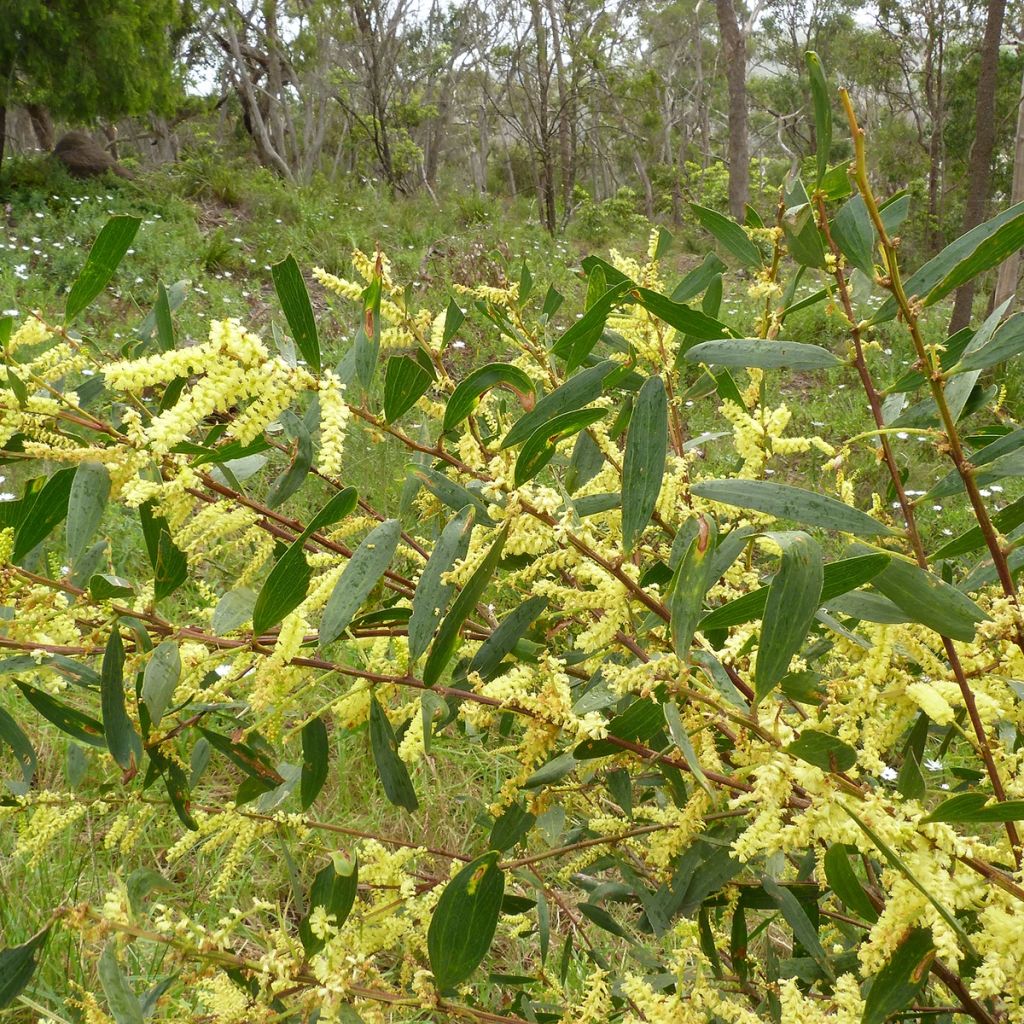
[644, 463]
[464, 921]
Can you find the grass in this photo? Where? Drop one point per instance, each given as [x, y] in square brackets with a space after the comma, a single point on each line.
[220, 227]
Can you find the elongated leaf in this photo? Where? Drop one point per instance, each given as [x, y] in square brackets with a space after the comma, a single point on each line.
[642, 720]
[90, 490]
[822, 112]
[453, 320]
[863, 604]
[796, 917]
[285, 588]
[808, 300]
[604, 920]
[394, 775]
[117, 726]
[576, 343]
[74, 723]
[986, 460]
[897, 984]
[855, 235]
[508, 634]
[365, 568]
[450, 493]
[644, 464]
[552, 771]
[464, 921]
[552, 301]
[843, 881]
[1003, 344]
[158, 320]
[252, 761]
[291, 291]
[802, 235]
[541, 445]
[470, 390]
[298, 469]
[162, 320]
[406, 379]
[585, 463]
[691, 322]
[233, 610]
[681, 738]
[597, 283]
[699, 279]
[513, 825]
[730, 234]
[42, 512]
[910, 782]
[929, 600]
[366, 346]
[793, 503]
[314, 761]
[106, 253]
[793, 598]
[768, 355]
[840, 577]
[431, 597]
[1004, 520]
[283, 591]
[17, 965]
[894, 211]
[824, 751]
[163, 670]
[334, 888]
[692, 581]
[975, 252]
[12, 735]
[975, 807]
[447, 638]
[170, 567]
[121, 999]
[578, 391]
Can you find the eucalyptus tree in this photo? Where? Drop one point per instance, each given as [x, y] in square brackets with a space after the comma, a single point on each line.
[979, 170]
[733, 34]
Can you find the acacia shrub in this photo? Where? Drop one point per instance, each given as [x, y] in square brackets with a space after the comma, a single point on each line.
[712, 700]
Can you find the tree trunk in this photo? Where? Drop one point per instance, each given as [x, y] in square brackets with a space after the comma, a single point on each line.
[42, 126]
[3, 133]
[735, 49]
[979, 172]
[439, 132]
[546, 171]
[484, 147]
[256, 123]
[110, 133]
[645, 184]
[1009, 272]
[565, 157]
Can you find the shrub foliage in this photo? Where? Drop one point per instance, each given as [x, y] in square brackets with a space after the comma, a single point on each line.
[708, 699]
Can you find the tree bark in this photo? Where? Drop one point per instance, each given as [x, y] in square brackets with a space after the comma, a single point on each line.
[3, 133]
[1009, 272]
[735, 49]
[246, 88]
[979, 172]
[42, 126]
[546, 170]
[565, 155]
